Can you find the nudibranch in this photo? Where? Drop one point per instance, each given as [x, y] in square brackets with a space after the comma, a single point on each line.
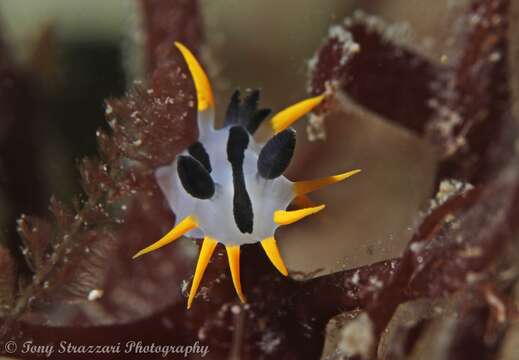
[229, 188]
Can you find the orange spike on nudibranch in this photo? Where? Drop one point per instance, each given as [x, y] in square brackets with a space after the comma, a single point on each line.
[283, 217]
[186, 225]
[206, 252]
[203, 86]
[305, 187]
[291, 114]
[272, 251]
[233, 253]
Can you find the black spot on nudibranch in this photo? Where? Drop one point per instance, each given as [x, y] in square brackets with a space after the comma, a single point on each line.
[197, 151]
[195, 178]
[246, 113]
[275, 156]
[242, 206]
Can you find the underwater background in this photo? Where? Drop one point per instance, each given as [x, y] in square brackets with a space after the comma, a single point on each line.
[414, 258]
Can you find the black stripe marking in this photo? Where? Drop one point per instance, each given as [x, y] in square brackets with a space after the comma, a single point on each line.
[242, 206]
[197, 151]
[275, 156]
[194, 177]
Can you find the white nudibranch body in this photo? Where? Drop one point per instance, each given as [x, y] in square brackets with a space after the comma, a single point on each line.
[216, 216]
[227, 188]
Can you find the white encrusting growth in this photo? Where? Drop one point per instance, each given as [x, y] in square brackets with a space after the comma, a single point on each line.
[95, 294]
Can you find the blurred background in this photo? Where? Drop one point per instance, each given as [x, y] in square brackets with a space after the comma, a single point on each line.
[61, 60]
